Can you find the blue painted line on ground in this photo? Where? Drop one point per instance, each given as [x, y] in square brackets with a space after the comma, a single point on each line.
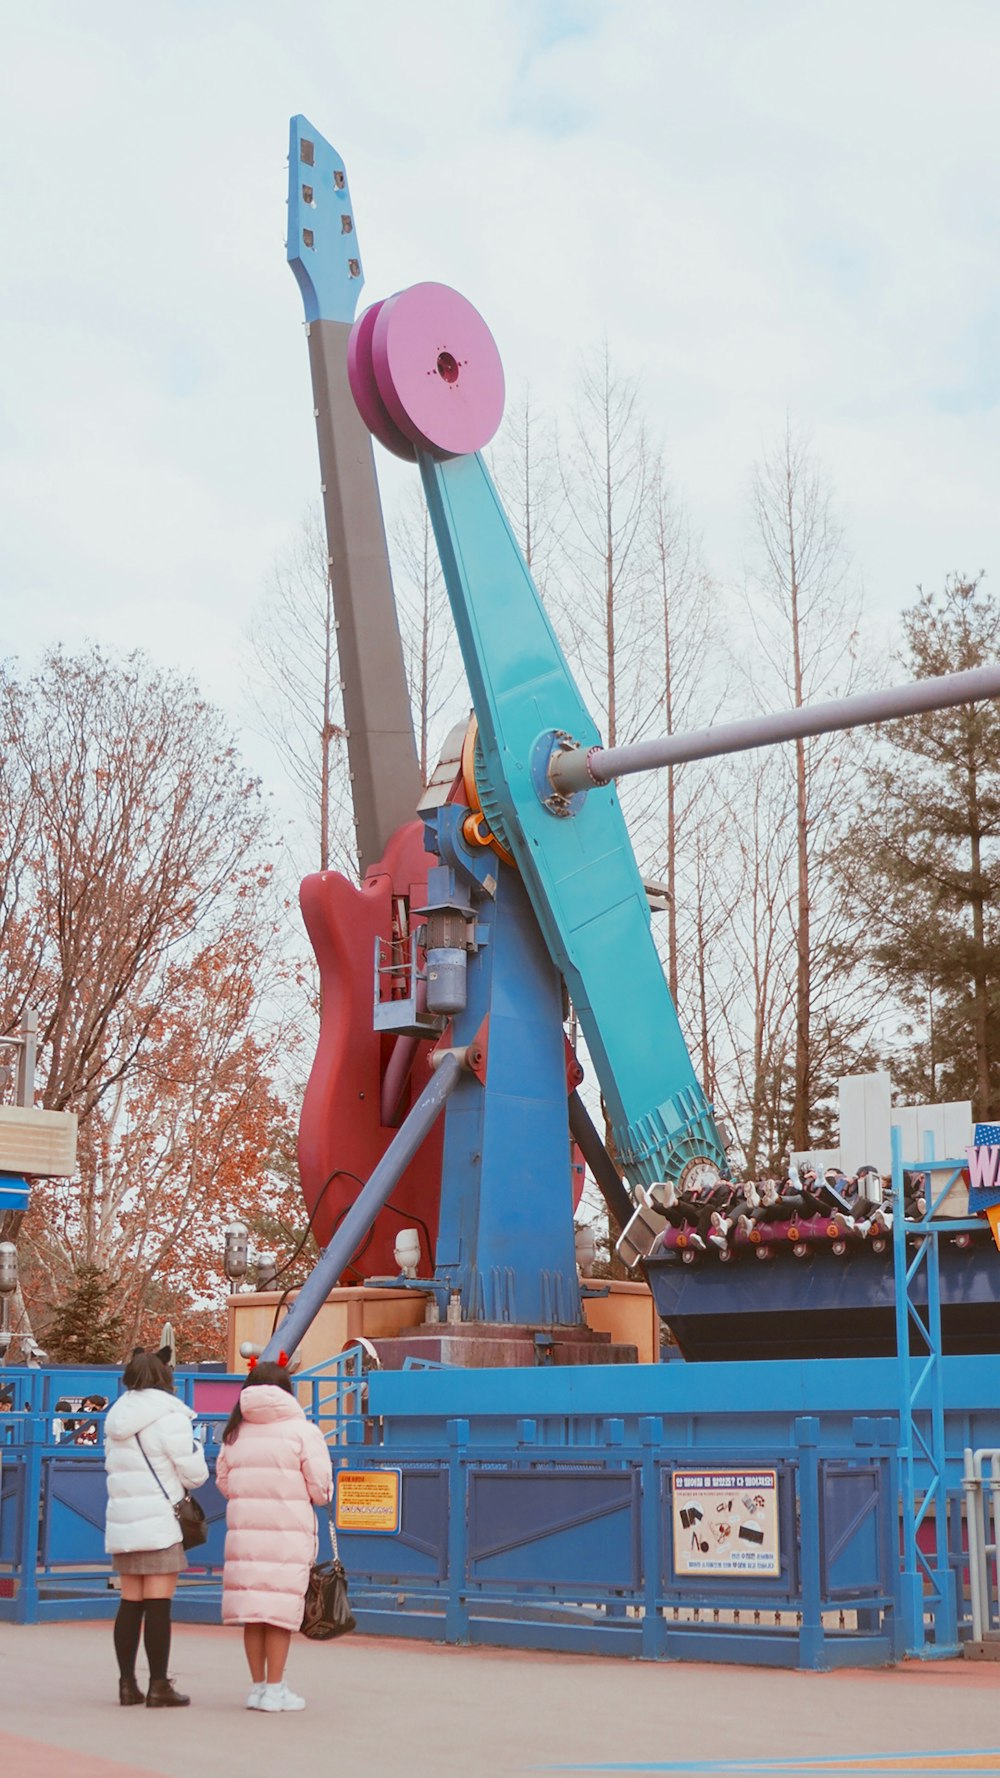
[788, 1768]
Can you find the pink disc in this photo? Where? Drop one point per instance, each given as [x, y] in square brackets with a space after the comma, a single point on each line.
[438, 370]
[367, 400]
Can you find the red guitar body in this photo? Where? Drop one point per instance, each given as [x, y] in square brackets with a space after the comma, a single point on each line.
[341, 1133]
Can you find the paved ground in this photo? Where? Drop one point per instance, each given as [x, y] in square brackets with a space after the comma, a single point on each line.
[381, 1709]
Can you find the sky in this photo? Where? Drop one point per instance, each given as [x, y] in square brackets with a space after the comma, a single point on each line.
[784, 208]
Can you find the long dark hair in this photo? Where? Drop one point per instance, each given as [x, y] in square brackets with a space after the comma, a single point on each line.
[276, 1375]
[147, 1370]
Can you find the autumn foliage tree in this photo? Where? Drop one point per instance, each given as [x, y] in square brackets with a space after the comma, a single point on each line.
[134, 908]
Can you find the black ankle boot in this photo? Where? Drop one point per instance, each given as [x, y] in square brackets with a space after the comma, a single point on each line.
[129, 1693]
[162, 1696]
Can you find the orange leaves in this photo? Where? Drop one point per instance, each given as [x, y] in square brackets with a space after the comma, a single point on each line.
[135, 914]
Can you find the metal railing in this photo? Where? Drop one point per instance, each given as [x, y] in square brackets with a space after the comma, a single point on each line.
[982, 1518]
[53, 1563]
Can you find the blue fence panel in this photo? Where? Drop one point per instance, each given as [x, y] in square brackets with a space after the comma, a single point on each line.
[74, 1505]
[12, 1472]
[419, 1551]
[851, 1540]
[563, 1528]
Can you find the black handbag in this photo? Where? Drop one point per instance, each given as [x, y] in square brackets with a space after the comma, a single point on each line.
[189, 1512]
[327, 1610]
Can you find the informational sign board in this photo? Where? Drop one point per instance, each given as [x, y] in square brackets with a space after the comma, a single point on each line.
[725, 1521]
[368, 1500]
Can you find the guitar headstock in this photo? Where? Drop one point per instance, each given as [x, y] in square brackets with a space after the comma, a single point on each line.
[322, 240]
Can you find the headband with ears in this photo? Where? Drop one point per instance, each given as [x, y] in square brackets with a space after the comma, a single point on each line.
[282, 1360]
[164, 1353]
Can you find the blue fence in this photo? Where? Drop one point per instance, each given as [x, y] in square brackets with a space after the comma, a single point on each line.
[53, 1497]
[539, 1507]
[534, 1546]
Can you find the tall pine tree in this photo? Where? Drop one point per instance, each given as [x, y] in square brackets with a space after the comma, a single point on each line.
[86, 1328]
[932, 843]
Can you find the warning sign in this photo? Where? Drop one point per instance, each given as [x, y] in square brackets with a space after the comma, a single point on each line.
[725, 1521]
[368, 1500]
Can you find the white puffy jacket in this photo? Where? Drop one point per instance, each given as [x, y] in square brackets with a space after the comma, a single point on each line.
[140, 1517]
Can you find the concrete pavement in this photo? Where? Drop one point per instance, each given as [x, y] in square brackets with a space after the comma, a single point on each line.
[387, 1709]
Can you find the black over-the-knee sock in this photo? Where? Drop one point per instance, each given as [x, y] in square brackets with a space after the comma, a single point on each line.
[128, 1628]
[157, 1636]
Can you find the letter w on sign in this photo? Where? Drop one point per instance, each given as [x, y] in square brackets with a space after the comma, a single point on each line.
[984, 1165]
[984, 1169]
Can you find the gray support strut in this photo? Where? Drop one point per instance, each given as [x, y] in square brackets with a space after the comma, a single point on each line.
[347, 1238]
[609, 1180]
[582, 768]
[385, 773]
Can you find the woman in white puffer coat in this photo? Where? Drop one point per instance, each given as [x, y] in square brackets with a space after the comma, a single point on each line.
[152, 1458]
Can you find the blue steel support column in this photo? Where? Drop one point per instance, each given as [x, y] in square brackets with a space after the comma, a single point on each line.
[364, 1210]
[653, 1629]
[945, 1603]
[26, 1603]
[505, 1235]
[921, 1390]
[911, 1580]
[456, 1617]
[811, 1649]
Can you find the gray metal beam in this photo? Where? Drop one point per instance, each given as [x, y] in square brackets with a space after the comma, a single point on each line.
[609, 1180]
[346, 1240]
[582, 768]
[385, 775]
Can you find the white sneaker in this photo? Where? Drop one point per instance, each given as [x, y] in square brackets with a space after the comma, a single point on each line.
[278, 1697]
[256, 1694]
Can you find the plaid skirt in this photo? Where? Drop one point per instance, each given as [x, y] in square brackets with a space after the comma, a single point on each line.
[168, 1561]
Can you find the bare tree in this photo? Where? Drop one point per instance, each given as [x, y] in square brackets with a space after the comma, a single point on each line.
[754, 983]
[525, 463]
[605, 595]
[805, 618]
[295, 692]
[430, 649]
[688, 681]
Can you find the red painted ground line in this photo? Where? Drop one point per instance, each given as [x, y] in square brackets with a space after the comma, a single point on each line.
[37, 1759]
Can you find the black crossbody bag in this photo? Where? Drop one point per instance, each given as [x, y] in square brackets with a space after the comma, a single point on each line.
[188, 1512]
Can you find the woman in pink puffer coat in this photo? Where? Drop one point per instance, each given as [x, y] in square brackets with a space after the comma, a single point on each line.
[273, 1467]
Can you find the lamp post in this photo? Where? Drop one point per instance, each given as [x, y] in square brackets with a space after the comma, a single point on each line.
[236, 1258]
[8, 1286]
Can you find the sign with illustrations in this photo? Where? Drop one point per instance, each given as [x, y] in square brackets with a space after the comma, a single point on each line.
[725, 1521]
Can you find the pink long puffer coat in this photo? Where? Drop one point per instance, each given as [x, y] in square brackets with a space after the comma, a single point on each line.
[272, 1474]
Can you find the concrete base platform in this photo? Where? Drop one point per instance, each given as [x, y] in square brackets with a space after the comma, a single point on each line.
[491, 1345]
[379, 1709]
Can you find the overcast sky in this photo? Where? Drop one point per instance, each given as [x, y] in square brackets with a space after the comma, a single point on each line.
[769, 207]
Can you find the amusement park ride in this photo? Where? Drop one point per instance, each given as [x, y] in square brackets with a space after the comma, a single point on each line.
[444, 1095]
[441, 1145]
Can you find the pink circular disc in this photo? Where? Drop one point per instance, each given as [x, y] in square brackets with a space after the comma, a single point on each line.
[438, 370]
[367, 400]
